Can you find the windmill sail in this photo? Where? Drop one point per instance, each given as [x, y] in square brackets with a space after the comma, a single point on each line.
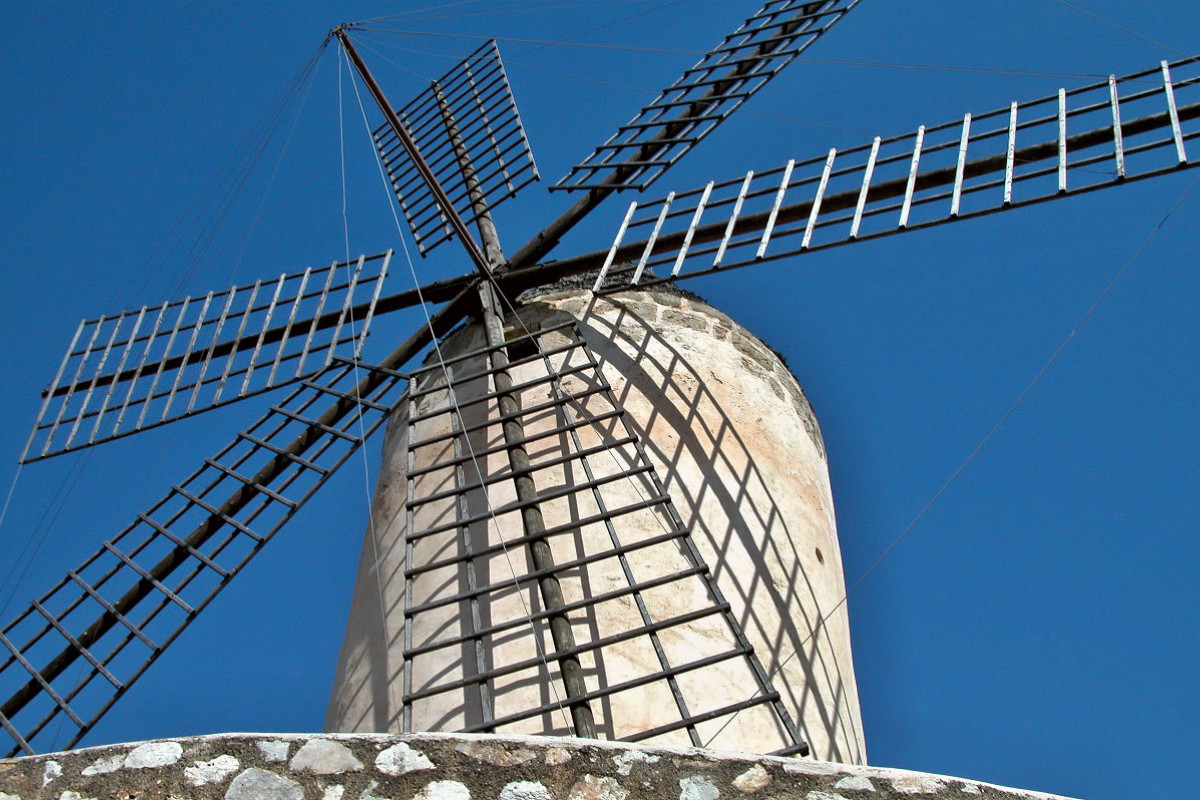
[700, 100]
[469, 114]
[1110, 132]
[119, 610]
[139, 369]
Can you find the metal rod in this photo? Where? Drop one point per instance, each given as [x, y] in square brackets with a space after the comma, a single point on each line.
[234, 349]
[539, 407]
[50, 391]
[259, 340]
[649, 628]
[191, 348]
[287, 328]
[99, 369]
[484, 482]
[549, 494]
[209, 353]
[312, 329]
[662, 217]
[337, 329]
[586, 603]
[575, 563]
[104, 405]
[366, 326]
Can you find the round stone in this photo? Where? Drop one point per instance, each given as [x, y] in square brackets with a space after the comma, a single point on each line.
[154, 754]
[524, 790]
[695, 787]
[324, 757]
[103, 766]
[400, 758]
[855, 783]
[213, 771]
[752, 779]
[444, 790]
[257, 784]
[592, 787]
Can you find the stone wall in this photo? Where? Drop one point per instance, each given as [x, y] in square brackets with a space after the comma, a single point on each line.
[454, 767]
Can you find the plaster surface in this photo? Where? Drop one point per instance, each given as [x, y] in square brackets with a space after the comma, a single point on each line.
[736, 445]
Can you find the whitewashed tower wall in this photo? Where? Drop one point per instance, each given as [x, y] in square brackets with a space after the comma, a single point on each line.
[737, 446]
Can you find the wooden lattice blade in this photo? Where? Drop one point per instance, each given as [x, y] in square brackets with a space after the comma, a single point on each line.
[117, 612]
[139, 369]
[705, 95]
[1097, 136]
[474, 102]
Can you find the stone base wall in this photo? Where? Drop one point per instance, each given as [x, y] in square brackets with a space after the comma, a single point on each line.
[454, 767]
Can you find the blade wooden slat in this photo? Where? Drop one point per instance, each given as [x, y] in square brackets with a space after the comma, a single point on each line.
[191, 348]
[216, 338]
[477, 95]
[176, 374]
[162, 362]
[116, 613]
[120, 368]
[978, 164]
[692, 107]
[234, 349]
[287, 331]
[1173, 110]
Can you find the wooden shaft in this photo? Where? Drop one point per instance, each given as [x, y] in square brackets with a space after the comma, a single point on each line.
[483, 217]
[410, 146]
[533, 523]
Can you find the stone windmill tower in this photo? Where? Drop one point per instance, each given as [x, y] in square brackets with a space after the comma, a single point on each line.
[619, 374]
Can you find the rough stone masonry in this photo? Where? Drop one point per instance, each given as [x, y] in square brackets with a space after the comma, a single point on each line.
[455, 767]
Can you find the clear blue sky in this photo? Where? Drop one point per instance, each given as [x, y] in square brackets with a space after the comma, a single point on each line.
[1035, 628]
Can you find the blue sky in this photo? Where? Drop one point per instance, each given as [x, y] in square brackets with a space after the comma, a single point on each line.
[1034, 628]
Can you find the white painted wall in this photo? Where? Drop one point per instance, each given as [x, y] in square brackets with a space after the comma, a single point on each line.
[738, 449]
